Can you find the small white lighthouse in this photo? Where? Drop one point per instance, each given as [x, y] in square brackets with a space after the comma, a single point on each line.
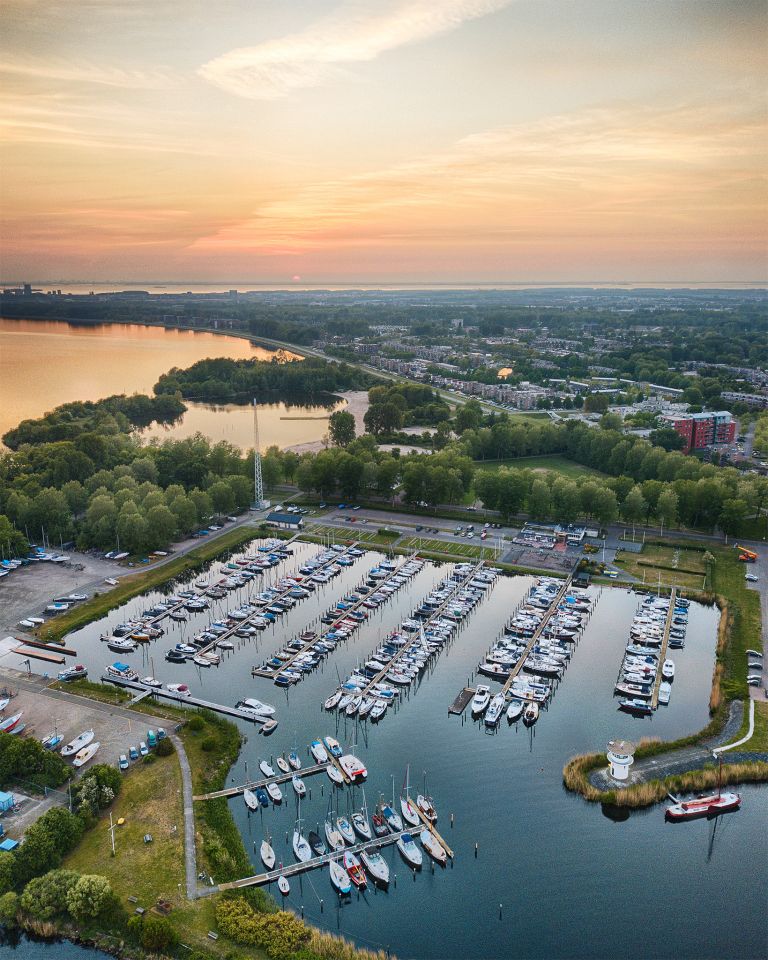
[621, 757]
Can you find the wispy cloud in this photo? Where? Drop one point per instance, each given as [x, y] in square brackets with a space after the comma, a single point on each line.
[355, 33]
[83, 72]
[603, 174]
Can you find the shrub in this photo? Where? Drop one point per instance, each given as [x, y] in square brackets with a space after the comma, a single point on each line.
[280, 934]
[155, 934]
[56, 833]
[195, 723]
[208, 744]
[150, 758]
[45, 897]
[7, 864]
[164, 748]
[9, 908]
[90, 896]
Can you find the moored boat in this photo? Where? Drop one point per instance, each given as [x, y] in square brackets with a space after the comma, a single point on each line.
[376, 866]
[74, 746]
[339, 877]
[433, 846]
[530, 714]
[410, 852]
[251, 801]
[355, 870]
[267, 854]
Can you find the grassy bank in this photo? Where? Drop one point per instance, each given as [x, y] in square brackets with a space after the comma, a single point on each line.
[553, 463]
[135, 583]
[739, 629]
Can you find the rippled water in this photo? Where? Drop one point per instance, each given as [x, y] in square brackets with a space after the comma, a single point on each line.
[553, 877]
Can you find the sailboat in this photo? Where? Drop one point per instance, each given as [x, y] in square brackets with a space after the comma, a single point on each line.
[426, 804]
[407, 808]
[360, 822]
[378, 819]
[433, 846]
[283, 886]
[267, 854]
[339, 877]
[251, 800]
[77, 744]
[301, 848]
[299, 786]
[392, 819]
[345, 829]
[332, 835]
[705, 806]
[316, 842]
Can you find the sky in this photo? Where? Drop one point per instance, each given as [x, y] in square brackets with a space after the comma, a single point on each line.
[391, 141]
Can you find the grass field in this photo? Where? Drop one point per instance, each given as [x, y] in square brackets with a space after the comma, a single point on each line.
[759, 739]
[354, 532]
[554, 463]
[675, 566]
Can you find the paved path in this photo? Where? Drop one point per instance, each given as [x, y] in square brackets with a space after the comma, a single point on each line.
[190, 852]
[679, 761]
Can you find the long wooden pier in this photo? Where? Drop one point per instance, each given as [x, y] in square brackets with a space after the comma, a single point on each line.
[49, 647]
[663, 650]
[432, 828]
[185, 701]
[255, 784]
[271, 674]
[36, 654]
[548, 614]
[292, 869]
[460, 585]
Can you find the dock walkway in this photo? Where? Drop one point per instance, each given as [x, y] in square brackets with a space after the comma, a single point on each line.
[271, 674]
[663, 650]
[549, 613]
[255, 784]
[185, 701]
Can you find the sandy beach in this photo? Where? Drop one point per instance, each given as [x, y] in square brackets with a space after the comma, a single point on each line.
[357, 404]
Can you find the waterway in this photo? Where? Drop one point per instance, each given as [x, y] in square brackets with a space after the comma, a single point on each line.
[539, 873]
[47, 363]
[16, 946]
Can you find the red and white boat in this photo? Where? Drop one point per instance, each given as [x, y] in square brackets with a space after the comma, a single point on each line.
[355, 870]
[705, 806]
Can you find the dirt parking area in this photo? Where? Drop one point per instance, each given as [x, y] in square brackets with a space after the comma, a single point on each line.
[26, 591]
[46, 710]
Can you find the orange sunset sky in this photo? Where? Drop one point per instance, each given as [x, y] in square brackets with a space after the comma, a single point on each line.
[384, 140]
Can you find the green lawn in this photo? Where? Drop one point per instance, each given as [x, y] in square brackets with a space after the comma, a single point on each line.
[673, 565]
[460, 548]
[554, 463]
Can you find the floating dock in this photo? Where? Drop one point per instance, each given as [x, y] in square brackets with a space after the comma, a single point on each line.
[50, 647]
[461, 702]
[663, 650]
[39, 655]
[255, 784]
[185, 701]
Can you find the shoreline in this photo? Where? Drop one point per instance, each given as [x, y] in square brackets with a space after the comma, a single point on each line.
[357, 405]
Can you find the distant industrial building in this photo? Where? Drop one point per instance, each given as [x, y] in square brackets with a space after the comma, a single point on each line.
[702, 430]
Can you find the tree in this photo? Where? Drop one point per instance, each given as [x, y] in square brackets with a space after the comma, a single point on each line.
[183, 512]
[9, 908]
[45, 897]
[155, 934]
[222, 497]
[611, 421]
[596, 403]
[733, 514]
[540, 500]
[666, 507]
[606, 507]
[341, 428]
[383, 418]
[203, 504]
[667, 438]
[634, 506]
[12, 541]
[162, 523]
[7, 861]
[90, 897]
[469, 416]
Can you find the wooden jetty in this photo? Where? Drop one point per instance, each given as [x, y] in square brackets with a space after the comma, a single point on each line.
[292, 869]
[549, 613]
[663, 650]
[431, 827]
[271, 674]
[39, 655]
[185, 701]
[50, 647]
[255, 784]
[463, 698]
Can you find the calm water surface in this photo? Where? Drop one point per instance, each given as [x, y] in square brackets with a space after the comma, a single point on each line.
[553, 876]
[47, 363]
[18, 947]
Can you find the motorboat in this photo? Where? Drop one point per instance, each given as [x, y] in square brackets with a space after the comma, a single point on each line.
[427, 807]
[318, 751]
[355, 870]
[151, 682]
[121, 644]
[339, 877]
[668, 670]
[333, 700]
[251, 800]
[180, 689]
[9, 723]
[433, 846]
[74, 746]
[378, 710]
[299, 786]
[495, 710]
[481, 699]
[121, 671]
[266, 768]
[275, 793]
[76, 672]
[262, 796]
[410, 852]
[376, 866]
[515, 710]
[87, 753]
[316, 842]
[391, 818]
[665, 692]
[283, 764]
[530, 714]
[353, 767]
[333, 746]
[334, 774]
[267, 854]
[634, 705]
[175, 656]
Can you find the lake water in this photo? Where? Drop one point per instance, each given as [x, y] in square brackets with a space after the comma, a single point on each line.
[47, 363]
[553, 876]
[15, 946]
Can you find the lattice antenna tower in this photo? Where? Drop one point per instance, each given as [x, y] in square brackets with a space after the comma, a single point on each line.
[258, 484]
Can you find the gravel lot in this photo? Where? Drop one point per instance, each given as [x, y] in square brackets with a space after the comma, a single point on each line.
[116, 729]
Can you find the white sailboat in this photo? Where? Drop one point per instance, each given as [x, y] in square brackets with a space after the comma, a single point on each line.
[251, 800]
[433, 846]
[407, 808]
[267, 854]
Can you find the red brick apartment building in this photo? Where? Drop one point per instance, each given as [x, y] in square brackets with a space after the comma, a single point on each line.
[702, 430]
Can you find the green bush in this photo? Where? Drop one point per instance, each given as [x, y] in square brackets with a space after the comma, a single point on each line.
[281, 934]
[89, 897]
[155, 934]
[195, 723]
[208, 744]
[9, 908]
[27, 759]
[164, 748]
[150, 758]
[46, 843]
[46, 897]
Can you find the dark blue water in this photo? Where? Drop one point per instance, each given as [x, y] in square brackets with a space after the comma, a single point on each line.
[553, 876]
[16, 945]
